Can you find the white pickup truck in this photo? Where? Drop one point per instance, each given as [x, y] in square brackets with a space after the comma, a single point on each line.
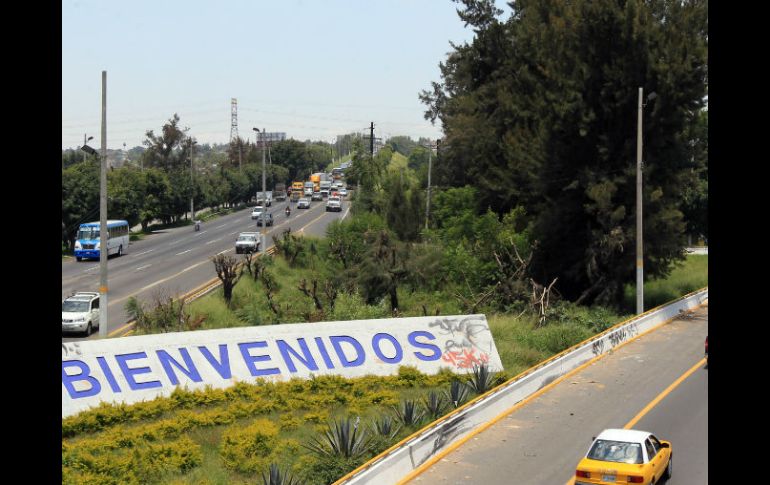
[247, 242]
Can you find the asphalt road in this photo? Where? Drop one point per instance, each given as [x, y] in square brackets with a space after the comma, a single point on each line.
[542, 441]
[178, 260]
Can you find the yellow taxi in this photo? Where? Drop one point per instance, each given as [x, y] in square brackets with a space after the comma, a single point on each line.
[625, 456]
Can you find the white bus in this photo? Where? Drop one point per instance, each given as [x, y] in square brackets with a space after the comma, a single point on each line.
[87, 240]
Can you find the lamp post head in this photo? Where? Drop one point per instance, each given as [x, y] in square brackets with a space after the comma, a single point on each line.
[88, 150]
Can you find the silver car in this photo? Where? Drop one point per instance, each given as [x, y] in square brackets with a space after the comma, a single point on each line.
[303, 203]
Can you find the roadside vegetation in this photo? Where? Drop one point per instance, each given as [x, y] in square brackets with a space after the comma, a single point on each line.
[531, 223]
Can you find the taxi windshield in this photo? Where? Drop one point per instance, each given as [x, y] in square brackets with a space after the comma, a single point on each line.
[617, 451]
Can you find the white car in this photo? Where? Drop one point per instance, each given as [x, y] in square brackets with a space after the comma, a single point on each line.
[343, 192]
[333, 204]
[247, 242]
[257, 211]
[303, 203]
[80, 313]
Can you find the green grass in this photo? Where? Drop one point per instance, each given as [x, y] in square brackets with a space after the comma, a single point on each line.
[689, 276]
[520, 342]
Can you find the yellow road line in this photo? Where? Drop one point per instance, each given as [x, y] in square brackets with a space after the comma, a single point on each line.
[449, 449]
[656, 401]
[663, 394]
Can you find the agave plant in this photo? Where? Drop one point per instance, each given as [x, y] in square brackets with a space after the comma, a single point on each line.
[435, 404]
[409, 413]
[386, 427]
[278, 477]
[481, 379]
[342, 438]
[457, 393]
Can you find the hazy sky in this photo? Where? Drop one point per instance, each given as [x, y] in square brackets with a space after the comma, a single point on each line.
[311, 68]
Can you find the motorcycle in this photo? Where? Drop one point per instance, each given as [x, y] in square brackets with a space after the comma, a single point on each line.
[197, 226]
[288, 212]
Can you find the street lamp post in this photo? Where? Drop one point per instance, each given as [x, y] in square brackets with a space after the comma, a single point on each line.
[85, 142]
[639, 240]
[264, 190]
[103, 248]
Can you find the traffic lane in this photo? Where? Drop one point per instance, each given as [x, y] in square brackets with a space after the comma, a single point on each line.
[189, 270]
[682, 418]
[76, 276]
[318, 226]
[543, 440]
[154, 250]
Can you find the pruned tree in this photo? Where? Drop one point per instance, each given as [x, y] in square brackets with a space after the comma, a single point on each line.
[227, 271]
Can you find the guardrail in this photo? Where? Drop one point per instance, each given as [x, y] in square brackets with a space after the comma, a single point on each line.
[191, 295]
[410, 456]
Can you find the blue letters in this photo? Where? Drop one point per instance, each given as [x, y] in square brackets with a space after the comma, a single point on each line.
[337, 340]
[166, 360]
[108, 374]
[85, 375]
[223, 365]
[413, 340]
[250, 359]
[129, 372]
[286, 350]
[376, 346]
[324, 354]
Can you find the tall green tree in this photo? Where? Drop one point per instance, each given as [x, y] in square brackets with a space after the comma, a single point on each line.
[539, 111]
[80, 198]
[169, 149]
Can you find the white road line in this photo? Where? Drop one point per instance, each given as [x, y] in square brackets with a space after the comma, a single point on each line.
[211, 242]
[140, 268]
[91, 269]
[177, 254]
[145, 252]
[220, 227]
[201, 233]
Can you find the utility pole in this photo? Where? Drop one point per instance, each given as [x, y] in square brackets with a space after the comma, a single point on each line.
[192, 183]
[371, 140]
[103, 249]
[262, 235]
[430, 166]
[639, 247]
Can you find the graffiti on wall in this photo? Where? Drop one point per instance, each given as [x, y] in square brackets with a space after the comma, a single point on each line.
[615, 338]
[464, 350]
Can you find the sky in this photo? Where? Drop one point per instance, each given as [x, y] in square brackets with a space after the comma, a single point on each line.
[313, 69]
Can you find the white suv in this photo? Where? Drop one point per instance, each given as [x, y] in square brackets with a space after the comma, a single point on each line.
[247, 242]
[333, 204]
[80, 313]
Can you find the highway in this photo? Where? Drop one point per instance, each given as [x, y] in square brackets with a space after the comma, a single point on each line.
[179, 260]
[542, 440]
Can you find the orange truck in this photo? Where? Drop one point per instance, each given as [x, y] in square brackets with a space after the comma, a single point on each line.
[316, 179]
[296, 191]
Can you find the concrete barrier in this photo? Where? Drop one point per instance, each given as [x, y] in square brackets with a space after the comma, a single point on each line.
[405, 459]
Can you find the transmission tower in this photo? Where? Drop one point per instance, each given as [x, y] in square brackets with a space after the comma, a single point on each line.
[233, 119]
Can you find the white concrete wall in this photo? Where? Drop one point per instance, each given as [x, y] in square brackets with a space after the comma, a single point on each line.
[411, 454]
[133, 369]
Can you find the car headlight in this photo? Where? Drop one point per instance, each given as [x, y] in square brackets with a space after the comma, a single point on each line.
[97, 245]
[79, 319]
[77, 245]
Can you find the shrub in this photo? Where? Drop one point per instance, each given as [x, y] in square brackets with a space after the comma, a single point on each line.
[409, 413]
[341, 439]
[457, 393]
[435, 404]
[480, 380]
[248, 449]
